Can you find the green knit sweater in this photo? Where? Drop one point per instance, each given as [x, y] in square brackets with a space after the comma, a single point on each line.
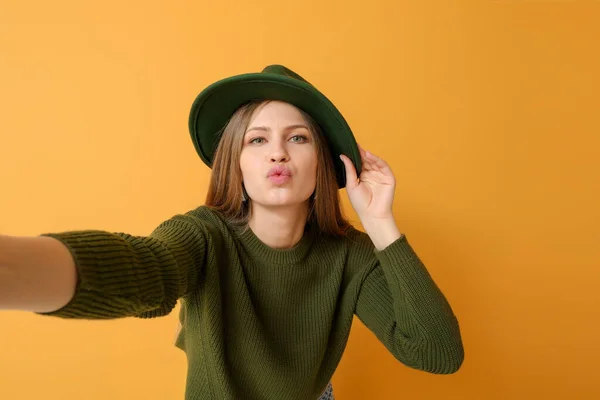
[260, 323]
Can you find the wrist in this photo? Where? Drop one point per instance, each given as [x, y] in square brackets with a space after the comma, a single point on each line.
[382, 232]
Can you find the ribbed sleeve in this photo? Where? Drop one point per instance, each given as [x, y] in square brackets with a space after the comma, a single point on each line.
[121, 275]
[401, 304]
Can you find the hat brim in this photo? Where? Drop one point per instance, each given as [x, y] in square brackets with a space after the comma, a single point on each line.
[215, 105]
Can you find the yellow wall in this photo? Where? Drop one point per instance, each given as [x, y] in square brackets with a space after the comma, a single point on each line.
[487, 112]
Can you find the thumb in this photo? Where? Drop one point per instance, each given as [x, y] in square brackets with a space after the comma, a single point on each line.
[351, 179]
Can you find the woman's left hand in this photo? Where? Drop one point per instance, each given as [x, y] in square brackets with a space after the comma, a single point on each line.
[372, 193]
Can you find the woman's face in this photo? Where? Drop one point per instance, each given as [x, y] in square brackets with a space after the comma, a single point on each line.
[279, 157]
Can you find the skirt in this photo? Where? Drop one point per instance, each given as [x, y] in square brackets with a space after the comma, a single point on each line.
[328, 393]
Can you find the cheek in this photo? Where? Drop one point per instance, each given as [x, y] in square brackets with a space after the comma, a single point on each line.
[245, 166]
[249, 177]
[313, 167]
[309, 178]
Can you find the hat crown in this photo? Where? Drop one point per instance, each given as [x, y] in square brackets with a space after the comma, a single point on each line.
[281, 70]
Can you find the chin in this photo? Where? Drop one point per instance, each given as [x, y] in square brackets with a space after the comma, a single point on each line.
[280, 202]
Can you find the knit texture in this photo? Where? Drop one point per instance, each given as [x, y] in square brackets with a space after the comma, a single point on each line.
[263, 323]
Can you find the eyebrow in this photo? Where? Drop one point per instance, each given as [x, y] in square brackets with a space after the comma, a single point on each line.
[267, 129]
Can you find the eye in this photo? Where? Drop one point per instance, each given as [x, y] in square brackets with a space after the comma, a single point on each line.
[302, 137]
[255, 140]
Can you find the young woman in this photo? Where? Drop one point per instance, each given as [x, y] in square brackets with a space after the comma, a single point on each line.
[268, 271]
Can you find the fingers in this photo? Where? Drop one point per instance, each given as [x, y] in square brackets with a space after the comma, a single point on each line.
[366, 161]
[370, 161]
[351, 178]
[379, 162]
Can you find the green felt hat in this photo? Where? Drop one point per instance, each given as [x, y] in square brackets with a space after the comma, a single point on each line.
[215, 105]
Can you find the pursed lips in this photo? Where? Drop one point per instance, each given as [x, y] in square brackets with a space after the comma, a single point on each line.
[279, 171]
[279, 175]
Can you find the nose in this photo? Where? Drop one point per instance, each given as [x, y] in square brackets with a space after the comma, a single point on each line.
[278, 153]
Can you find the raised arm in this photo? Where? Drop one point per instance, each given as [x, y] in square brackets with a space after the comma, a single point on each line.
[397, 299]
[402, 305]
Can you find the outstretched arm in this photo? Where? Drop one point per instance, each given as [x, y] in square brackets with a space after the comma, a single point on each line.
[100, 275]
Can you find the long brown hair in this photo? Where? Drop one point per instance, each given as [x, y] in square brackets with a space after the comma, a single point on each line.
[225, 188]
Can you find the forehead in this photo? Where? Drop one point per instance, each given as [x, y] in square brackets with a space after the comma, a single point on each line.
[275, 112]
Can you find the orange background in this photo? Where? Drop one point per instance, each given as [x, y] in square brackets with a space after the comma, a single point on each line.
[488, 113]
